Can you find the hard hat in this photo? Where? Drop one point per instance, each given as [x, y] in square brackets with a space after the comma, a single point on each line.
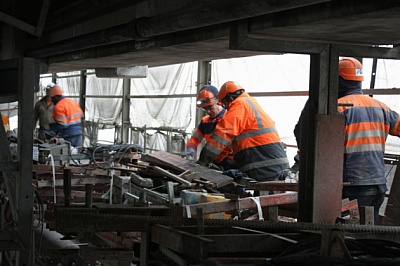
[227, 88]
[55, 90]
[351, 69]
[50, 86]
[207, 96]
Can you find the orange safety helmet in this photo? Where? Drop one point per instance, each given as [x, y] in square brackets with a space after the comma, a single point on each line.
[207, 96]
[227, 88]
[351, 69]
[54, 90]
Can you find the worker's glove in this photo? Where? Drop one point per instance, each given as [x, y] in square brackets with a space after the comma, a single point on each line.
[189, 152]
[215, 167]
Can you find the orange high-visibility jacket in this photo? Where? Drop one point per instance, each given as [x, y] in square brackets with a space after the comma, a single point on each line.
[204, 131]
[368, 123]
[257, 147]
[68, 116]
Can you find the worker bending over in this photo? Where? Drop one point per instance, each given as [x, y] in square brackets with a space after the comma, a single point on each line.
[67, 116]
[207, 99]
[247, 128]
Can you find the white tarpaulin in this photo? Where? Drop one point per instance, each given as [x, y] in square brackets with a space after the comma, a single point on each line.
[164, 112]
[153, 107]
[103, 110]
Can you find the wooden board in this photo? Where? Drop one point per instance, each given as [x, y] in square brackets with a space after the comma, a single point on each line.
[176, 162]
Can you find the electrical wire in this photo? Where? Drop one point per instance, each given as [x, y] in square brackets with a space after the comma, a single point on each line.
[110, 154]
[53, 170]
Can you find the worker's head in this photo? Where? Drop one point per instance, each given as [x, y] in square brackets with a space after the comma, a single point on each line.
[228, 92]
[350, 76]
[53, 90]
[48, 88]
[207, 98]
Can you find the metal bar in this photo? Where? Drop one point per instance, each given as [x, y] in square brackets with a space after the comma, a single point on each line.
[381, 91]
[131, 196]
[203, 78]
[19, 24]
[42, 18]
[373, 73]
[273, 186]
[161, 96]
[82, 91]
[126, 87]
[245, 203]
[171, 175]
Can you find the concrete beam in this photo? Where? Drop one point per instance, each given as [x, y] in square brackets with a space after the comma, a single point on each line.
[122, 72]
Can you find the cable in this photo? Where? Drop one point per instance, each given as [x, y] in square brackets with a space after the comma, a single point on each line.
[53, 170]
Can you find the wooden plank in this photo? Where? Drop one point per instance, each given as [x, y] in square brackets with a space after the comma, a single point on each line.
[180, 164]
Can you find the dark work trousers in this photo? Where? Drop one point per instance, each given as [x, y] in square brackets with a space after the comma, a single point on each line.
[367, 196]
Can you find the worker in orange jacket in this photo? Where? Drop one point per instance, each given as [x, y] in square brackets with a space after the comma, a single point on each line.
[368, 123]
[247, 128]
[207, 99]
[67, 116]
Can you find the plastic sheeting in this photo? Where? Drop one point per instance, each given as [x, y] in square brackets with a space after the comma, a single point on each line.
[270, 73]
[105, 111]
[164, 112]
[387, 76]
[266, 73]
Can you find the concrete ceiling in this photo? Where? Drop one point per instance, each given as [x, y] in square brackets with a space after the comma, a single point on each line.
[75, 35]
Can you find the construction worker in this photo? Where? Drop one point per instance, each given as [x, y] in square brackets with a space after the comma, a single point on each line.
[257, 147]
[368, 122]
[67, 116]
[43, 111]
[207, 99]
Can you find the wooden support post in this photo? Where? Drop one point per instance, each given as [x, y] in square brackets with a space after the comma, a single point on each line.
[67, 187]
[88, 195]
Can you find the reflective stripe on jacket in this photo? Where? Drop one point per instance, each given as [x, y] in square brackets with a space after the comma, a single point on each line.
[204, 131]
[368, 122]
[68, 116]
[257, 147]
